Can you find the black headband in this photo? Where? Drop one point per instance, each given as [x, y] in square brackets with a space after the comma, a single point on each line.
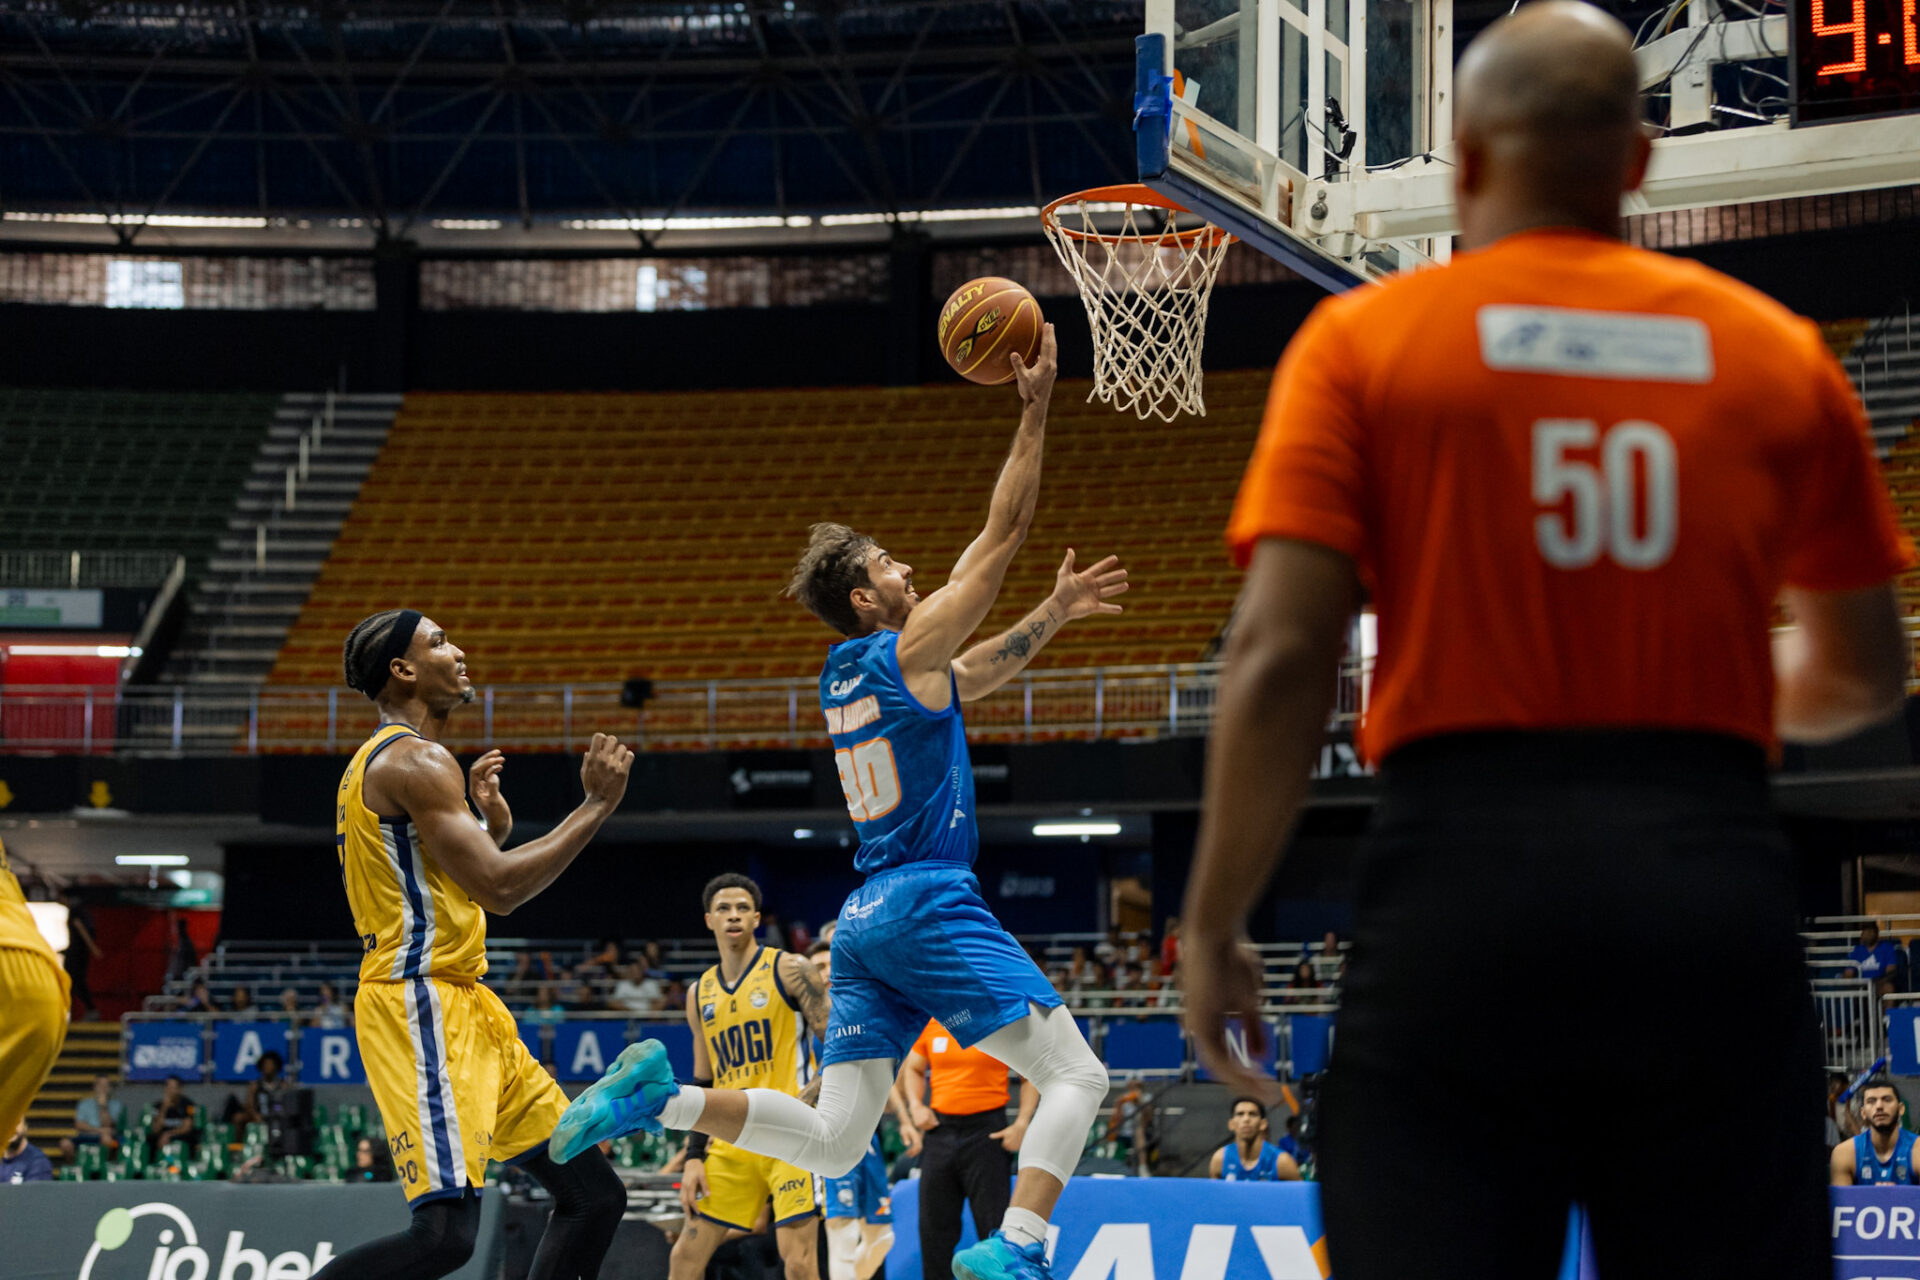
[399, 637]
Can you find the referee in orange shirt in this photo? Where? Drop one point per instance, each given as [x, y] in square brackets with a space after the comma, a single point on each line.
[1573, 478]
[967, 1144]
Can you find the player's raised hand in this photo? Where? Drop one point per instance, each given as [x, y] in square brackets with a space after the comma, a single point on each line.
[604, 769]
[1036, 380]
[483, 787]
[1086, 591]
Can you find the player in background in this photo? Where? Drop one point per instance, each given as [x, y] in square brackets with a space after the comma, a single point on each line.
[916, 940]
[859, 1206]
[750, 1016]
[1880, 1154]
[33, 994]
[1250, 1157]
[1574, 478]
[454, 1084]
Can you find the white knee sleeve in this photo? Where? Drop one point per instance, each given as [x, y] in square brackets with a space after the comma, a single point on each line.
[843, 1248]
[828, 1138]
[1046, 1048]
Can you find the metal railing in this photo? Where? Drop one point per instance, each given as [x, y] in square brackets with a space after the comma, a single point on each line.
[72, 570]
[1855, 1032]
[1173, 700]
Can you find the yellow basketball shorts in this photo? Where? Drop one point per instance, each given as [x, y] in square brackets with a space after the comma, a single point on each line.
[739, 1184]
[455, 1086]
[33, 992]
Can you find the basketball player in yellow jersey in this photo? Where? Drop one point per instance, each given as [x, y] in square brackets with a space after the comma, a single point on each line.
[751, 1015]
[33, 1003]
[454, 1085]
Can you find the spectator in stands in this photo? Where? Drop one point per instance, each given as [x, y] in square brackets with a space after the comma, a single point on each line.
[22, 1161]
[676, 996]
[1109, 949]
[1840, 1119]
[581, 996]
[1306, 982]
[370, 1162]
[1080, 969]
[328, 1013]
[957, 1099]
[1170, 946]
[1250, 1157]
[1130, 1122]
[656, 967]
[267, 1093]
[176, 1118]
[1875, 960]
[98, 1120]
[637, 991]
[1882, 1153]
[605, 955]
[242, 1001]
[290, 1005]
[81, 952]
[183, 957]
[1290, 1142]
[1332, 962]
[201, 1001]
[546, 1005]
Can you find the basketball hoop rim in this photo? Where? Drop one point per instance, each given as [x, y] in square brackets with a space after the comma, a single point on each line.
[1131, 193]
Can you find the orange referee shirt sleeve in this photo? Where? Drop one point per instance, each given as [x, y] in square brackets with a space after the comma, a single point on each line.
[1306, 480]
[1849, 536]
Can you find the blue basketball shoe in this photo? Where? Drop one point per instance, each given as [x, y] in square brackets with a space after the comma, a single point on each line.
[998, 1258]
[626, 1099]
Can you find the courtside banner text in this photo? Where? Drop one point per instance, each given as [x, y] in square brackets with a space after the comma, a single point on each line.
[203, 1230]
[1159, 1229]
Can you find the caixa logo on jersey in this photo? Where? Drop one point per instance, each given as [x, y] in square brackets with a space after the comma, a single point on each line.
[158, 1241]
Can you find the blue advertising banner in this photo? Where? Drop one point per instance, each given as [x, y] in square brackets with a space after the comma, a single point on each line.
[1903, 1040]
[237, 1047]
[156, 1050]
[330, 1057]
[1148, 1228]
[1264, 1061]
[582, 1050]
[1876, 1233]
[1312, 1041]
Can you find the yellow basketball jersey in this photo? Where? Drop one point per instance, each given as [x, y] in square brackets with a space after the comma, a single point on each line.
[17, 928]
[754, 1030]
[413, 921]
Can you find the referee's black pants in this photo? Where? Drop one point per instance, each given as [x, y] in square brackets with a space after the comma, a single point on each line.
[958, 1161]
[1575, 976]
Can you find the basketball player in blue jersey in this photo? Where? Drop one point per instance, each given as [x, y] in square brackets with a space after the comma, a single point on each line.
[1882, 1153]
[1250, 1157]
[916, 940]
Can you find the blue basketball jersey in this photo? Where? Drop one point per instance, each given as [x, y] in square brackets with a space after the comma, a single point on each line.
[904, 769]
[1868, 1170]
[1266, 1169]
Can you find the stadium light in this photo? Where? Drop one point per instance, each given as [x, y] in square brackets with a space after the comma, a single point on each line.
[75, 650]
[803, 833]
[150, 859]
[1076, 828]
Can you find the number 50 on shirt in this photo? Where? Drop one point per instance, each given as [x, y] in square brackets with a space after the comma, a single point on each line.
[869, 779]
[1627, 506]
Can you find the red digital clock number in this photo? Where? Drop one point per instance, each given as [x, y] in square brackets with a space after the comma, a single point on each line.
[1854, 58]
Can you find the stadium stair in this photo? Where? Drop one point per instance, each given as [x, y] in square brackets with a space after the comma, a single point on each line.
[92, 1049]
[1883, 362]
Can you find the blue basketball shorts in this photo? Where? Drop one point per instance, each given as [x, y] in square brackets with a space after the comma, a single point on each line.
[864, 1193]
[918, 942]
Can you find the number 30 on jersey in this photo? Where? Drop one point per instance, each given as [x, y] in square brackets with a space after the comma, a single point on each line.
[869, 779]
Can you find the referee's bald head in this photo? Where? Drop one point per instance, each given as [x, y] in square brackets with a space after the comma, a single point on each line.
[1547, 122]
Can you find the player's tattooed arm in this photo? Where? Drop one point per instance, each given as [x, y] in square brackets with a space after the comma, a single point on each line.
[809, 993]
[1076, 594]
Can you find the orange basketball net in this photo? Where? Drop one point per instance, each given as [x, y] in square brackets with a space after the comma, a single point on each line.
[1146, 287]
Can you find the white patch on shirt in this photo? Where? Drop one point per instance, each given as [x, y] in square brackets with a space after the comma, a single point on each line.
[1596, 344]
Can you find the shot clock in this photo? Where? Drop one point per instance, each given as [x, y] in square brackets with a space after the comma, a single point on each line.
[1853, 59]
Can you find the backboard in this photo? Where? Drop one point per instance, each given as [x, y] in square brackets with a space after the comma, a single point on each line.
[1320, 131]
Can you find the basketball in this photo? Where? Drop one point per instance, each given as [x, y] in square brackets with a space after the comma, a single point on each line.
[984, 321]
